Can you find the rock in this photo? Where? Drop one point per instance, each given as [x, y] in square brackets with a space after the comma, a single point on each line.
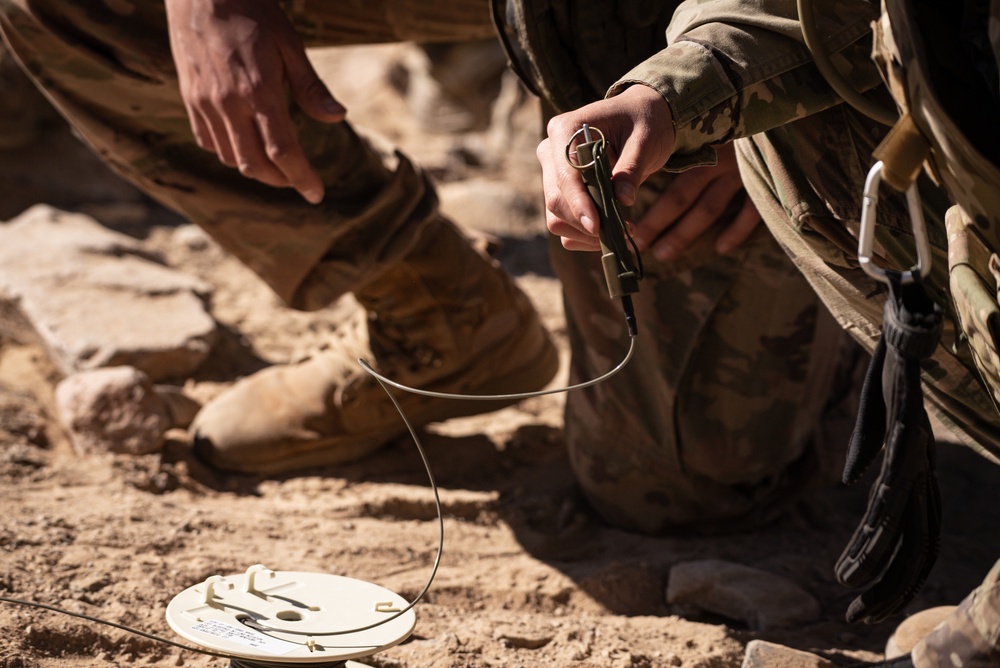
[761, 654]
[97, 299]
[522, 638]
[760, 599]
[112, 410]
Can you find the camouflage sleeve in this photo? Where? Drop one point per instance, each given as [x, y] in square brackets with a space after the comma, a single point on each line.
[732, 69]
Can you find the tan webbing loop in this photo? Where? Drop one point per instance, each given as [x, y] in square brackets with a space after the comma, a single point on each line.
[902, 152]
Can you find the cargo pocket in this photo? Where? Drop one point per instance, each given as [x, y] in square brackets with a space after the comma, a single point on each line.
[974, 271]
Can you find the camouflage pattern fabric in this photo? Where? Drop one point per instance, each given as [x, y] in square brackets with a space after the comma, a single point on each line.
[106, 65]
[739, 396]
[805, 169]
[732, 70]
[970, 636]
[740, 392]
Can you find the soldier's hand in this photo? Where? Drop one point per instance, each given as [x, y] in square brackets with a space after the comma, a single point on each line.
[692, 204]
[638, 128]
[234, 59]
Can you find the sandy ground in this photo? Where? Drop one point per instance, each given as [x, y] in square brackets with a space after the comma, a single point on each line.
[529, 575]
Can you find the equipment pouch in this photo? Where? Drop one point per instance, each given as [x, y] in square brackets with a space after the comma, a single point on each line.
[945, 78]
[973, 270]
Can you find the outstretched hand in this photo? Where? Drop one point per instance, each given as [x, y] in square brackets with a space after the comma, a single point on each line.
[234, 59]
[638, 128]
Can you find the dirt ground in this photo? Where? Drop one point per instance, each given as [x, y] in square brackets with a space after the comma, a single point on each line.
[529, 575]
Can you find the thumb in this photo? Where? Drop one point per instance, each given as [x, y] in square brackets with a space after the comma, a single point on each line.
[629, 173]
[309, 91]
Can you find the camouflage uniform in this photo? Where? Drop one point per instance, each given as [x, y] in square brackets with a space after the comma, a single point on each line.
[738, 396]
[707, 437]
[736, 71]
[107, 66]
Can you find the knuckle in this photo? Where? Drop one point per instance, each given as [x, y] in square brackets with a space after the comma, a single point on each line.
[559, 126]
[278, 151]
[248, 168]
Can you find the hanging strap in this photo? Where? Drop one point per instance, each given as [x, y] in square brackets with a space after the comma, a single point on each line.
[894, 547]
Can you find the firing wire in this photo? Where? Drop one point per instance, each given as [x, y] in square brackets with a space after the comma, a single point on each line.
[108, 622]
[238, 661]
[440, 517]
[496, 397]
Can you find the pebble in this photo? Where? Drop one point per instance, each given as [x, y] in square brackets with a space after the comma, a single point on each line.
[115, 409]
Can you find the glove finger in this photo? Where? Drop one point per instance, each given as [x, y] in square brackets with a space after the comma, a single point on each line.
[871, 546]
[869, 430]
[911, 563]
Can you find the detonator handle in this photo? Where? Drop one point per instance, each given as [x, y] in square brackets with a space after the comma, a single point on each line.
[620, 271]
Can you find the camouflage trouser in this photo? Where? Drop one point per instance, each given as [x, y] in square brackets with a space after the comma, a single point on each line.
[741, 391]
[806, 179]
[737, 398]
[106, 65]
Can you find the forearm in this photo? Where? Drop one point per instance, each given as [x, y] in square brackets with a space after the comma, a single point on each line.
[729, 71]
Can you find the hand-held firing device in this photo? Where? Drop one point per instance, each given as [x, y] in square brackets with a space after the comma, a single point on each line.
[619, 256]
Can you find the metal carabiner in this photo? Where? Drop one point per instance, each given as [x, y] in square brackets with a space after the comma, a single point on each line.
[866, 236]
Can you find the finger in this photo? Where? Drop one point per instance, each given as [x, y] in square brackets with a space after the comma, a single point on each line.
[670, 205]
[251, 159]
[220, 138]
[571, 245]
[562, 183]
[566, 198]
[283, 150]
[201, 130]
[561, 228]
[630, 170]
[740, 229]
[702, 215]
[307, 89]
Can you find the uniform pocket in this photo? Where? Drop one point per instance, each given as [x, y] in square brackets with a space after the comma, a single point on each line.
[973, 276]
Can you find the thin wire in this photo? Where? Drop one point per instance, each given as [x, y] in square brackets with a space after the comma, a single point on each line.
[107, 622]
[263, 628]
[437, 557]
[239, 662]
[495, 397]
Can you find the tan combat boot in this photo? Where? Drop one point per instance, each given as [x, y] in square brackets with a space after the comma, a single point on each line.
[445, 319]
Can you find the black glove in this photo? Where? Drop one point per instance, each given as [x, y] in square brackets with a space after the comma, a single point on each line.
[894, 548]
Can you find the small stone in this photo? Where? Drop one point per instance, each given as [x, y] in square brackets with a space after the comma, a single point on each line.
[112, 410]
[761, 600]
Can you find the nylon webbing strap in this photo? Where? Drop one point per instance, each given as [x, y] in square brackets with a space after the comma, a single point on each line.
[902, 152]
[894, 547]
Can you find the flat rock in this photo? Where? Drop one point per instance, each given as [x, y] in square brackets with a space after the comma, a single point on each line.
[94, 298]
[760, 599]
[761, 654]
